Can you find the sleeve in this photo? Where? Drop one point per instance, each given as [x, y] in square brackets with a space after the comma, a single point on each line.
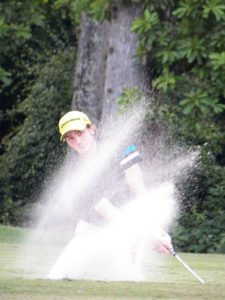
[130, 156]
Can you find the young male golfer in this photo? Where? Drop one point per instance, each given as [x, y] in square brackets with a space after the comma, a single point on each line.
[79, 133]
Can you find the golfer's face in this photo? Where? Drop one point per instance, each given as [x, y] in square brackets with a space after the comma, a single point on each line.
[80, 140]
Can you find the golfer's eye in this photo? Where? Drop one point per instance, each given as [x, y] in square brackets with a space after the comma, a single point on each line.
[80, 133]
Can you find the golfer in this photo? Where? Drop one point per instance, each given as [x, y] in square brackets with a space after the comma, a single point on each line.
[79, 133]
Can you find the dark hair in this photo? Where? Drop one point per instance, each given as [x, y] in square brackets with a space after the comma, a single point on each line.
[91, 126]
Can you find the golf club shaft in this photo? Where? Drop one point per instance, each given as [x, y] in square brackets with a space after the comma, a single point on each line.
[187, 267]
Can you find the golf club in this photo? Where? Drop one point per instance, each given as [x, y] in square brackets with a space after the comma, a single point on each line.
[186, 266]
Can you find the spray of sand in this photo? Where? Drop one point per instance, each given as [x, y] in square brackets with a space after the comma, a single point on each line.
[116, 250]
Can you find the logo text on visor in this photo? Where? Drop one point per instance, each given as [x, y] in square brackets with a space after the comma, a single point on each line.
[74, 119]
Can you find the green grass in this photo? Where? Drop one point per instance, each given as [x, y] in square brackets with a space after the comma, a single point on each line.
[172, 280]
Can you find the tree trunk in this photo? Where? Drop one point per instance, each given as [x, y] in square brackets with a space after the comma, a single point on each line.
[90, 68]
[106, 63]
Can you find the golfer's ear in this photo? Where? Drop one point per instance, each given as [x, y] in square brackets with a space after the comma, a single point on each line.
[92, 129]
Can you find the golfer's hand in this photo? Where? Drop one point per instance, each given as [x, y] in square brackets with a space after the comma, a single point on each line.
[163, 247]
[106, 209]
[163, 242]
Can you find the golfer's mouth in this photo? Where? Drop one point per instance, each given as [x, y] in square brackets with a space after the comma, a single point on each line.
[82, 147]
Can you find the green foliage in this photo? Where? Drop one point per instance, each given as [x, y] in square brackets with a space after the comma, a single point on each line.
[97, 9]
[5, 77]
[34, 151]
[129, 96]
[27, 33]
[34, 36]
[15, 29]
[214, 7]
[184, 43]
[217, 60]
[165, 81]
[201, 226]
[142, 25]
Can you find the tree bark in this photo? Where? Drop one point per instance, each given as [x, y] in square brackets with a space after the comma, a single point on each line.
[90, 68]
[106, 64]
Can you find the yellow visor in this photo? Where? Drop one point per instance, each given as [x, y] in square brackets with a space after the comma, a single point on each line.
[74, 120]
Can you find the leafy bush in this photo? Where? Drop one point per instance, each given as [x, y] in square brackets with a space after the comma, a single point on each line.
[201, 224]
[97, 9]
[31, 31]
[182, 43]
[36, 71]
[34, 150]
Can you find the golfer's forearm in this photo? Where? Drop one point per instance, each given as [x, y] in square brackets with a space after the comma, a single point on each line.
[134, 179]
[132, 170]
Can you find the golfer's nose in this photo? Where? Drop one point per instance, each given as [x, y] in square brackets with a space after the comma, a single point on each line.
[77, 139]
